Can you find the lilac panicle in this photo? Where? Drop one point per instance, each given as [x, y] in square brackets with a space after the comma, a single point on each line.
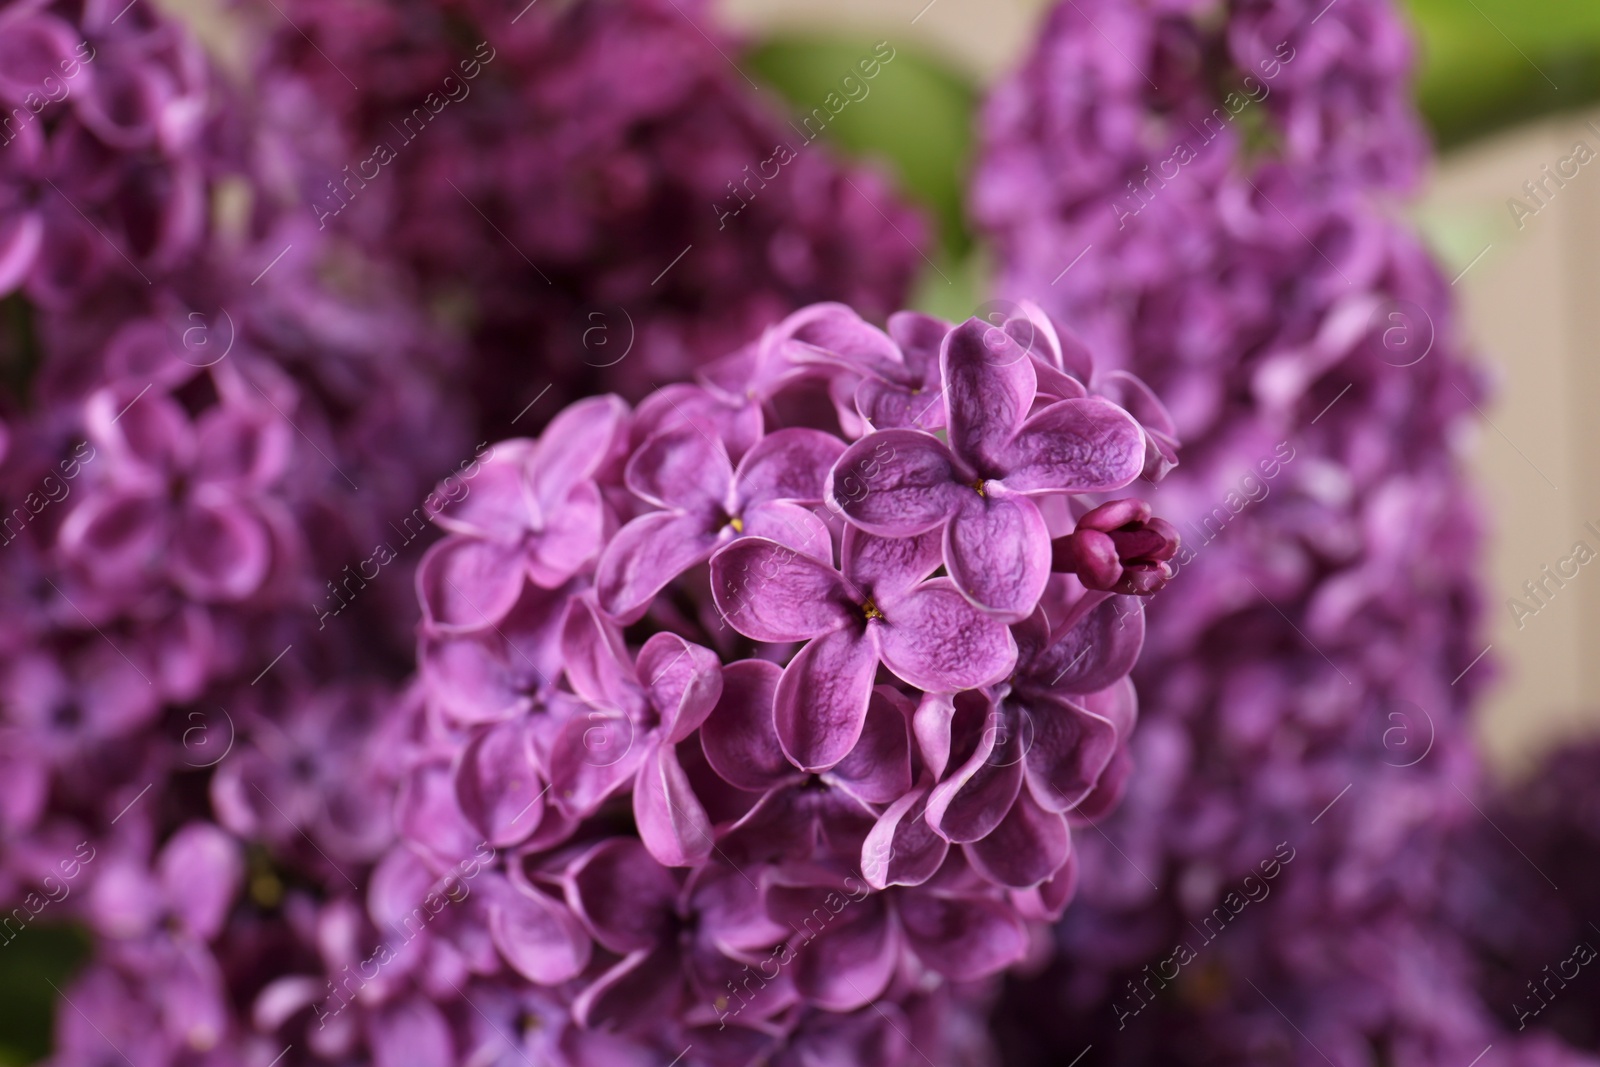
[735, 762]
[1218, 184]
[543, 196]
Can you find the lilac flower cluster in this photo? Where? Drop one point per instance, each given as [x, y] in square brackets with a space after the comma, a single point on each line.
[543, 172]
[1202, 202]
[208, 410]
[745, 714]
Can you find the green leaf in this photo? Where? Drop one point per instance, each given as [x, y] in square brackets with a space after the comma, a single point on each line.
[1490, 63]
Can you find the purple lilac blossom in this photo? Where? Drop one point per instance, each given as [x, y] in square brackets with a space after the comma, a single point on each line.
[209, 411]
[541, 174]
[1221, 174]
[777, 772]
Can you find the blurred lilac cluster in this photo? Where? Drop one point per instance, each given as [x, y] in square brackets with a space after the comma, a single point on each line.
[1202, 194]
[1524, 893]
[541, 171]
[207, 409]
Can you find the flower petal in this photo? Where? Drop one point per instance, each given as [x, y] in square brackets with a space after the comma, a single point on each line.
[791, 525]
[834, 332]
[622, 895]
[200, 868]
[1071, 748]
[672, 822]
[845, 945]
[1098, 644]
[822, 698]
[962, 937]
[219, 552]
[495, 505]
[902, 848]
[888, 567]
[643, 986]
[537, 935]
[595, 755]
[972, 801]
[644, 556]
[498, 785]
[1075, 446]
[682, 468]
[989, 385]
[997, 549]
[739, 737]
[684, 681]
[1028, 846]
[936, 641]
[570, 538]
[574, 446]
[878, 768]
[896, 483]
[467, 584]
[770, 592]
[789, 464]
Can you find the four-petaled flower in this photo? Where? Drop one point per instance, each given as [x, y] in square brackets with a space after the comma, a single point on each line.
[883, 607]
[977, 489]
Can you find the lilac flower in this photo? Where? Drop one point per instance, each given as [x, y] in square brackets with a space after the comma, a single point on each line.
[848, 943]
[681, 946]
[976, 489]
[536, 514]
[655, 704]
[707, 502]
[882, 607]
[178, 496]
[801, 816]
[907, 397]
[1010, 766]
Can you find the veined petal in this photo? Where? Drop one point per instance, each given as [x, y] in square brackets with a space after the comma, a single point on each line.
[1071, 749]
[672, 822]
[878, 768]
[468, 584]
[902, 848]
[1030, 845]
[789, 464]
[1075, 446]
[739, 737]
[822, 698]
[682, 468]
[936, 641]
[684, 681]
[989, 385]
[962, 937]
[896, 483]
[770, 592]
[1099, 644]
[645, 555]
[997, 549]
[574, 446]
[888, 567]
[621, 894]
